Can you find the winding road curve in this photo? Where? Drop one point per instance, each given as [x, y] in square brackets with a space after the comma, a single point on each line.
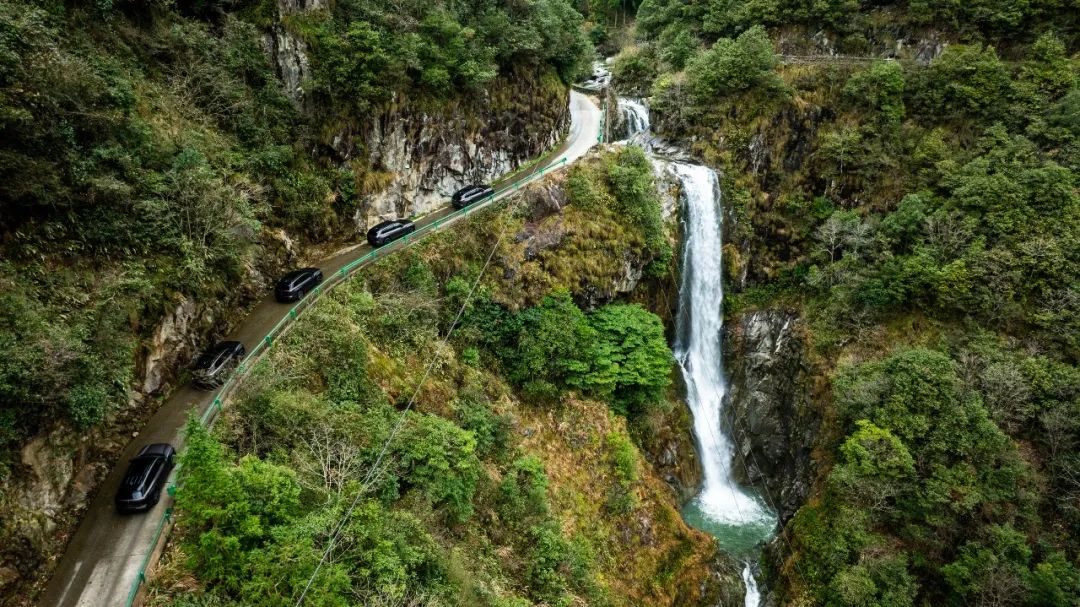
[102, 560]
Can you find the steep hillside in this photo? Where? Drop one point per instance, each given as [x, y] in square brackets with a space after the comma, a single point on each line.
[902, 190]
[513, 479]
[161, 163]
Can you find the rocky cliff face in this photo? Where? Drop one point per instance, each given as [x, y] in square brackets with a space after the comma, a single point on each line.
[428, 155]
[418, 155]
[768, 406]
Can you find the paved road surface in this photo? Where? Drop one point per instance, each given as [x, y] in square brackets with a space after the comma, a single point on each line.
[103, 557]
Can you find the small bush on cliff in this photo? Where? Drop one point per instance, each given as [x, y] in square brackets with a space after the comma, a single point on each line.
[732, 65]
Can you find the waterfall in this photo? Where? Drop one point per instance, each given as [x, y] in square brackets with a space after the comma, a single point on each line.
[635, 115]
[753, 597]
[698, 348]
[737, 518]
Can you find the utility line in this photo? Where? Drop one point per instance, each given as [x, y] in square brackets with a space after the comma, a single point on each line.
[372, 472]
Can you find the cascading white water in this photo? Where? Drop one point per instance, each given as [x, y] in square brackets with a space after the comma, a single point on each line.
[635, 115]
[737, 518]
[753, 597]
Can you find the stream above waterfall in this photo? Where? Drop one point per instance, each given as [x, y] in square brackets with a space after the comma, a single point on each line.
[736, 516]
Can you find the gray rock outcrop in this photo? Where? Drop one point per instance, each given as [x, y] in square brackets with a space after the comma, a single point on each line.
[768, 406]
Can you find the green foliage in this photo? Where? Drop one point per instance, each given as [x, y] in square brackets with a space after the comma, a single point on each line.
[634, 69]
[880, 90]
[730, 18]
[523, 491]
[630, 362]
[550, 339]
[929, 467]
[491, 431]
[964, 82]
[439, 459]
[231, 510]
[362, 52]
[880, 581]
[630, 179]
[732, 65]
[624, 461]
[676, 45]
[246, 533]
[556, 565]
[617, 353]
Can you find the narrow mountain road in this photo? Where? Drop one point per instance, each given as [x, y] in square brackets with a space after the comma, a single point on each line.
[102, 560]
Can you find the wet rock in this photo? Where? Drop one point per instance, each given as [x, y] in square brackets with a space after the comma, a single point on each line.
[50, 468]
[728, 589]
[545, 199]
[768, 407]
[632, 271]
[540, 238]
[286, 7]
[667, 188]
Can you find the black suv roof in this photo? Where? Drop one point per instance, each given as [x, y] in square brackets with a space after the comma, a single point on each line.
[291, 276]
[389, 223]
[211, 356]
[155, 449]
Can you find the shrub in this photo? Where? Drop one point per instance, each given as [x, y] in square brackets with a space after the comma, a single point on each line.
[631, 362]
[624, 462]
[732, 65]
[523, 491]
[439, 459]
[964, 82]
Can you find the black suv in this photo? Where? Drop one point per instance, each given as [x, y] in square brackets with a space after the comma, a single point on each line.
[213, 367]
[470, 194]
[146, 475]
[389, 231]
[296, 284]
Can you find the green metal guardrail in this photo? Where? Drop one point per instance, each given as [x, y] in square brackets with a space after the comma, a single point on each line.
[286, 322]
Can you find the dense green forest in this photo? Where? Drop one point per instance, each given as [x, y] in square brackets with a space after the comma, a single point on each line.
[923, 215]
[513, 479]
[148, 152]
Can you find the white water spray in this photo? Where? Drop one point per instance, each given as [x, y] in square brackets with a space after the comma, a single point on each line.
[699, 350]
[753, 597]
[635, 115]
[738, 519]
